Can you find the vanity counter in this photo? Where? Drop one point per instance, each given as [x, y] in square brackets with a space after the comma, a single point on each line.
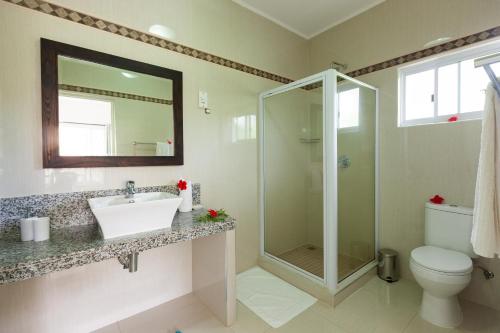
[81, 245]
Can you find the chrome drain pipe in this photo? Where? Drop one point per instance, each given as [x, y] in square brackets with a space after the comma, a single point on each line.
[488, 275]
[129, 261]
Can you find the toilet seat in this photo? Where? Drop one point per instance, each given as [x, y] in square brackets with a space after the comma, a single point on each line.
[441, 261]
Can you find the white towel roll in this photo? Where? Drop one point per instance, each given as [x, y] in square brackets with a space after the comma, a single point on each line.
[41, 229]
[27, 229]
[187, 198]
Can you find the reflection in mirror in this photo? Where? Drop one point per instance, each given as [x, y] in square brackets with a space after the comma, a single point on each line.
[244, 128]
[107, 111]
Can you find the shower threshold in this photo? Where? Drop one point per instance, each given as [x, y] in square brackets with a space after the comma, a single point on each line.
[310, 258]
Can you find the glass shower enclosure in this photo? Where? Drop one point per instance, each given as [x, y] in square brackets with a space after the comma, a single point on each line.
[318, 177]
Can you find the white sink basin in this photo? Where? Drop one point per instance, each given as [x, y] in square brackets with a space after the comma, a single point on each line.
[119, 216]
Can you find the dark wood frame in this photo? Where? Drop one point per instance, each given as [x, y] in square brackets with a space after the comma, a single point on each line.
[50, 50]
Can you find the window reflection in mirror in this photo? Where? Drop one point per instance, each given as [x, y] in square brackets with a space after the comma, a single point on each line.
[107, 111]
[244, 128]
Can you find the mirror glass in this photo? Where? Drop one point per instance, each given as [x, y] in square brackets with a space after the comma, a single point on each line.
[108, 111]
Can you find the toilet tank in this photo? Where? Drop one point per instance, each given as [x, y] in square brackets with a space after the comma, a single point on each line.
[449, 227]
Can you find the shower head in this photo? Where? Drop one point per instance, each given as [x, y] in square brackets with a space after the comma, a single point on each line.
[338, 66]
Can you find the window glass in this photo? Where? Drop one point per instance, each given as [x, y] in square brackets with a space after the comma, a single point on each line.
[433, 91]
[472, 88]
[448, 90]
[83, 140]
[84, 126]
[348, 108]
[419, 94]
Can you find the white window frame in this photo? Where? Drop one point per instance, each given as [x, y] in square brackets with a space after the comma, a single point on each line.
[435, 63]
[110, 129]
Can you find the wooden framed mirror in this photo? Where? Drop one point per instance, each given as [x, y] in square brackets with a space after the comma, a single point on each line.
[101, 110]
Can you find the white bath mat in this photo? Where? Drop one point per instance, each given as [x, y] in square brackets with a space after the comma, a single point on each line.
[269, 297]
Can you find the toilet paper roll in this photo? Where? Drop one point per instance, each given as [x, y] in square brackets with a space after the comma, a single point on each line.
[41, 229]
[27, 229]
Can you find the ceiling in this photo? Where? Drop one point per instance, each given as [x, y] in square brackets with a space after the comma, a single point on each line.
[308, 18]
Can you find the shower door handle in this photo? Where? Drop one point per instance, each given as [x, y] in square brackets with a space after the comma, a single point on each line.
[343, 161]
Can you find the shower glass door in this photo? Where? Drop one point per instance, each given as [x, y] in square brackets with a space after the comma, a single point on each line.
[356, 176]
[318, 177]
[292, 152]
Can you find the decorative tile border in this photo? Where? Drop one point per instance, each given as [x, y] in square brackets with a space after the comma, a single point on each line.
[110, 93]
[313, 86]
[431, 51]
[97, 23]
[68, 209]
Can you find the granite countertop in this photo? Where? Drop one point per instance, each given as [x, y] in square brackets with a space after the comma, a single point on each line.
[81, 245]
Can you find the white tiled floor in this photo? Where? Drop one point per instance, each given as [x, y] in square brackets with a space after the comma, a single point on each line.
[377, 307]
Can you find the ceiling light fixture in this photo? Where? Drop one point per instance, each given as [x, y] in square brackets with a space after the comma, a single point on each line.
[438, 41]
[129, 75]
[162, 31]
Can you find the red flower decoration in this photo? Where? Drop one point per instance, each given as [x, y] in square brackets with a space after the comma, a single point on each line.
[437, 199]
[452, 119]
[213, 215]
[182, 185]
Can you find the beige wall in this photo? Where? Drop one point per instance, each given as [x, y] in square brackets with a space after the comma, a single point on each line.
[415, 162]
[87, 74]
[227, 170]
[220, 27]
[142, 122]
[83, 299]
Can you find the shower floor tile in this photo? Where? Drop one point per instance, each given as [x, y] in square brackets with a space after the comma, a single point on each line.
[306, 257]
[310, 259]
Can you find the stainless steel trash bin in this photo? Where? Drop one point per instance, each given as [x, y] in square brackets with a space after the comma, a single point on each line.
[388, 268]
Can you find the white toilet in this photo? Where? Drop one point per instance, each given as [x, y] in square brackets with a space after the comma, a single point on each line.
[443, 266]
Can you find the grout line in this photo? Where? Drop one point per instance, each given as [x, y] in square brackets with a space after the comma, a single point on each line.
[410, 321]
[328, 319]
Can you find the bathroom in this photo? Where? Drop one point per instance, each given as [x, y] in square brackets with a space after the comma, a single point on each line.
[227, 62]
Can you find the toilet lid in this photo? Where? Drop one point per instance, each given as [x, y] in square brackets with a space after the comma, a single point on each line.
[441, 260]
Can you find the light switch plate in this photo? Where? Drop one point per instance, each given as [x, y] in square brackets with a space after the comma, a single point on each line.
[203, 99]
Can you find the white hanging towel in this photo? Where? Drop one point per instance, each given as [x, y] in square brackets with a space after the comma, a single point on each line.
[485, 237]
[163, 149]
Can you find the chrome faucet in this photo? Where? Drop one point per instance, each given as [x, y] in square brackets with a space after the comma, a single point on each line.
[130, 189]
